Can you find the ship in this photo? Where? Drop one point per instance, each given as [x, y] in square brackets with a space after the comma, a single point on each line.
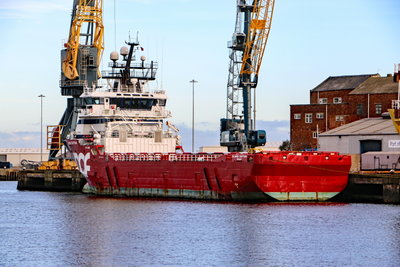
[125, 145]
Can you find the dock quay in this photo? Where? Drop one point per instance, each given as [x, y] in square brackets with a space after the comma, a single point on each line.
[9, 175]
[371, 188]
[51, 180]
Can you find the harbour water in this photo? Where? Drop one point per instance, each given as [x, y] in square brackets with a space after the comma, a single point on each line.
[72, 229]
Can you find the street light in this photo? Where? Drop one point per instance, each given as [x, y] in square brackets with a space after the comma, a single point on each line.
[41, 126]
[193, 82]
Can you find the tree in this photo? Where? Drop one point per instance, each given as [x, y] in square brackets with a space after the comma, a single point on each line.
[285, 146]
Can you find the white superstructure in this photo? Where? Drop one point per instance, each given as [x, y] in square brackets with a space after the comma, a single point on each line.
[125, 116]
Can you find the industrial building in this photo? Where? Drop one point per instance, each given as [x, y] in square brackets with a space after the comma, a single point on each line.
[16, 155]
[338, 101]
[373, 143]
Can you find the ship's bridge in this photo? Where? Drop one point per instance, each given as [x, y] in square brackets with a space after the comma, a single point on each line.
[127, 103]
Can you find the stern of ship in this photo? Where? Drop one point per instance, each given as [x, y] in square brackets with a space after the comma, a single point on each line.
[301, 176]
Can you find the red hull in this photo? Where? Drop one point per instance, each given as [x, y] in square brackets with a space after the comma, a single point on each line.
[234, 176]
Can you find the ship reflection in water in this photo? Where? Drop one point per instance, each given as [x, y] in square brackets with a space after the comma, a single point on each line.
[63, 229]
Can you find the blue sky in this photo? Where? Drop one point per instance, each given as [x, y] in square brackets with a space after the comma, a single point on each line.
[310, 40]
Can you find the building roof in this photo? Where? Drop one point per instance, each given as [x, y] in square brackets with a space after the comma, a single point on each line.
[349, 82]
[369, 126]
[377, 85]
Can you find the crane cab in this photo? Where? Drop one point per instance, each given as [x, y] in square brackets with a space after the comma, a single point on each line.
[238, 41]
[257, 138]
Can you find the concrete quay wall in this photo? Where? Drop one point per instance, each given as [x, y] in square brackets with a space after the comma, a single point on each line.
[51, 180]
[9, 175]
[371, 188]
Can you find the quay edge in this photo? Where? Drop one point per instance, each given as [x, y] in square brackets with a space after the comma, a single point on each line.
[371, 188]
[51, 180]
[8, 175]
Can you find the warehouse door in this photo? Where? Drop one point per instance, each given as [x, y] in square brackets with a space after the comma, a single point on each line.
[370, 145]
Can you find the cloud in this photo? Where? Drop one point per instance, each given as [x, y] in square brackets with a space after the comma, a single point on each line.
[205, 125]
[34, 6]
[24, 9]
[283, 129]
[19, 139]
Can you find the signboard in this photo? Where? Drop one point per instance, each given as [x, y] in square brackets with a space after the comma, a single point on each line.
[394, 143]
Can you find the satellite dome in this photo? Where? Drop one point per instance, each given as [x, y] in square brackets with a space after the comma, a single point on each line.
[114, 56]
[124, 51]
[142, 58]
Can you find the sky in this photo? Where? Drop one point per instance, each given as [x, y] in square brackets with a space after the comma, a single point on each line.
[310, 40]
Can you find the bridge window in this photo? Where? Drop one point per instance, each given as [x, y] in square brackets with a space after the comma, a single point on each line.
[133, 103]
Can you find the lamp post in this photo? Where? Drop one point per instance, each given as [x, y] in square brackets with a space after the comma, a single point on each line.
[193, 82]
[41, 126]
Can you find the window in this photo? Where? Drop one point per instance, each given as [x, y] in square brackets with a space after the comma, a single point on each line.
[339, 118]
[297, 116]
[360, 109]
[115, 133]
[308, 118]
[320, 115]
[378, 108]
[134, 103]
[323, 100]
[315, 135]
[91, 61]
[337, 100]
[92, 101]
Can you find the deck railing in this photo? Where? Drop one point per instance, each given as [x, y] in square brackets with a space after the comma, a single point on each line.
[208, 157]
[167, 157]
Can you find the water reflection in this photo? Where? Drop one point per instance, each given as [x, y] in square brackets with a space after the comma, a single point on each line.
[56, 229]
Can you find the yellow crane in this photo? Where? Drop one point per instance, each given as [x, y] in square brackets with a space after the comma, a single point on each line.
[80, 64]
[257, 36]
[395, 116]
[91, 13]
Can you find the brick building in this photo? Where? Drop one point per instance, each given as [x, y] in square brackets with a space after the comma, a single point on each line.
[337, 101]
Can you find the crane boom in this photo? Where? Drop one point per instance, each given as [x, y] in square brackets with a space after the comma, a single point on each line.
[257, 36]
[90, 12]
